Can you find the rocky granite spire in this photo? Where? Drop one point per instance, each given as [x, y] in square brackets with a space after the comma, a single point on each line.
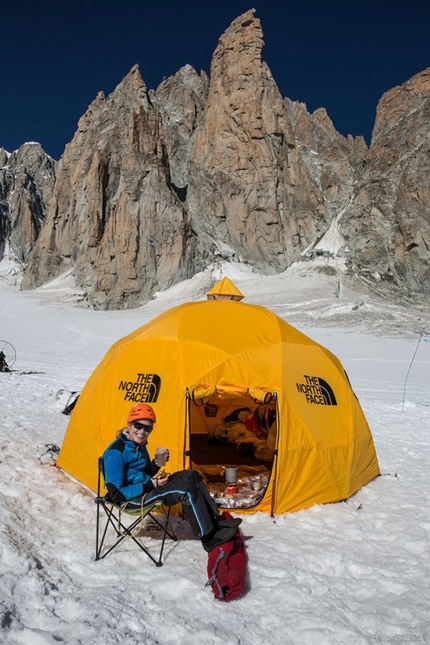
[248, 184]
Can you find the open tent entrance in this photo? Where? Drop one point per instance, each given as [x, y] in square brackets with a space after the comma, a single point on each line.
[233, 428]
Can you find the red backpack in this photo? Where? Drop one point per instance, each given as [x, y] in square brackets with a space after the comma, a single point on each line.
[227, 566]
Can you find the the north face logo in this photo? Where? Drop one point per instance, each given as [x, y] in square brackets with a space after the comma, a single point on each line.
[144, 389]
[316, 391]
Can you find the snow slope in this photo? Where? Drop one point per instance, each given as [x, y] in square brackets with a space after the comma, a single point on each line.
[354, 573]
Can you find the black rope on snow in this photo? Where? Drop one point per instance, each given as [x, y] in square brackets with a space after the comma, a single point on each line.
[52, 450]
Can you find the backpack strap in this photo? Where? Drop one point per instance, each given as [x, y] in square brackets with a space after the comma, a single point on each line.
[214, 579]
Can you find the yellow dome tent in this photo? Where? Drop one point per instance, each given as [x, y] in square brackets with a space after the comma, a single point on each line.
[199, 362]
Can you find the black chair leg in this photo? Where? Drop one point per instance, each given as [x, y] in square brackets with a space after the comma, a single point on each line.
[123, 531]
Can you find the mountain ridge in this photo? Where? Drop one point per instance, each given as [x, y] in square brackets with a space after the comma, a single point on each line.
[158, 184]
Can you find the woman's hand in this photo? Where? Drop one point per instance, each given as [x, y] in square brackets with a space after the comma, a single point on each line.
[160, 479]
[163, 480]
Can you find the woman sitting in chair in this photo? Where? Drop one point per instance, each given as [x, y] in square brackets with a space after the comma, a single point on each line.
[131, 476]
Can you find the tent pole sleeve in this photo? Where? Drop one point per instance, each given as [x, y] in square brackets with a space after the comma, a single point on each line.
[187, 429]
[275, 469]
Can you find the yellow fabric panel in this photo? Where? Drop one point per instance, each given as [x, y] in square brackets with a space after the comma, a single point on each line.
[226, 325]
[364, 464]
[302, 481]
[313, 475]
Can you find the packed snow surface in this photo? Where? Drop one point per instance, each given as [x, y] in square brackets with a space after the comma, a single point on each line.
[355, 573]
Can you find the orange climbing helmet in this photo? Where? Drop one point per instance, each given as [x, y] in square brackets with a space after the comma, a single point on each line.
[141, 411]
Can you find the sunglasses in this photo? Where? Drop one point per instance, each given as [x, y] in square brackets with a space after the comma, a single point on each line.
[142, 426]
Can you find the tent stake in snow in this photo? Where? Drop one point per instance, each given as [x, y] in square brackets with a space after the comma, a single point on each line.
[409, 369]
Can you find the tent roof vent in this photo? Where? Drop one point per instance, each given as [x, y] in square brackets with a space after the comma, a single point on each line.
[225, 289]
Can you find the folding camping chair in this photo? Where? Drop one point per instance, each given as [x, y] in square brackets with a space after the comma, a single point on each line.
[121, 529]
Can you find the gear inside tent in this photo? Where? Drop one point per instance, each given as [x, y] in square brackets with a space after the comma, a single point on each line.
[233, 386]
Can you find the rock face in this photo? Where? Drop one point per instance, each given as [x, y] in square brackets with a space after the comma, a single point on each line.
[157, 184]
[388, 226]
[26, 182]
[115, 216]
[180, 100]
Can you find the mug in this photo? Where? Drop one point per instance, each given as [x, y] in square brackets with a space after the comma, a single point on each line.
[231, 474]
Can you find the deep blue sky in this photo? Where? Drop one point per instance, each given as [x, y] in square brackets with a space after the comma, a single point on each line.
[341, 55]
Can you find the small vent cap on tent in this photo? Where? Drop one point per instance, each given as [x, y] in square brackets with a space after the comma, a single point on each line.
[225, 289]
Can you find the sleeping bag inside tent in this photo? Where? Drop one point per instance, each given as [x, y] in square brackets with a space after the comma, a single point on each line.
[231, 383]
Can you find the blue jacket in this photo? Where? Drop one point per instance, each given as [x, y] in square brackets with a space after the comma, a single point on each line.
[127, 470]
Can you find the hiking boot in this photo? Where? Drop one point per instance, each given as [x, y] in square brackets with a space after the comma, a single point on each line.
[219, 537]
[236, 521]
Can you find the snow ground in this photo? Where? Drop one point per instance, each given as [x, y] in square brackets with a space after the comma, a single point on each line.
[353, 573]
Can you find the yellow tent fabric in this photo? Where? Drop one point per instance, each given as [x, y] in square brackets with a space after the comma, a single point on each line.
[222, 348]
[225, 289]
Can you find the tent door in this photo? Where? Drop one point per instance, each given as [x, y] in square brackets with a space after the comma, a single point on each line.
[232, 430]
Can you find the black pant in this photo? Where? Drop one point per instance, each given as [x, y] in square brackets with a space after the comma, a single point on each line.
[186, 488]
